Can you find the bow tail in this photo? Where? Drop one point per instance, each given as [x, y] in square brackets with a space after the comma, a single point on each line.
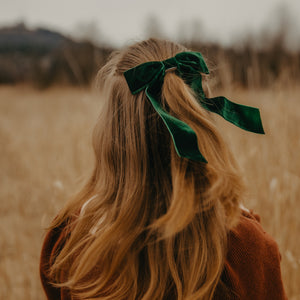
[183, 136]
[242, 116]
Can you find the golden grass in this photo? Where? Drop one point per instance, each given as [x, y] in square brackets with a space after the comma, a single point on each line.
[46, 151]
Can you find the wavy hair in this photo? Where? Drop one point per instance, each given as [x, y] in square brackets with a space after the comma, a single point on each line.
[156, 225]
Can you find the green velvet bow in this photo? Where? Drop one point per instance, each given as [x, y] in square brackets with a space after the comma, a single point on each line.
[189, 66]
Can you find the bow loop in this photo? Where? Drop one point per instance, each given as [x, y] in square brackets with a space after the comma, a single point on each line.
[141, 76]
[191, 63]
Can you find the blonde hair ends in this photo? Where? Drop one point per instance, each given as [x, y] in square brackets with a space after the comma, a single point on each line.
[157, 225]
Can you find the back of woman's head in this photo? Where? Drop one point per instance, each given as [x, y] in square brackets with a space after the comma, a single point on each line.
[157, 223]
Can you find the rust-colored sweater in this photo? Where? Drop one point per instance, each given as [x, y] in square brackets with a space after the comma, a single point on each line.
[252, 268]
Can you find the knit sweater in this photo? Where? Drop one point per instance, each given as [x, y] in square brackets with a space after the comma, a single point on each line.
[251, 271]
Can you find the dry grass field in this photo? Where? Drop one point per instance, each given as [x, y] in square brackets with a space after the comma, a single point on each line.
[45, 152]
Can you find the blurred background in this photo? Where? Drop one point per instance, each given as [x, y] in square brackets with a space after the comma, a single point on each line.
[50, 52]
[254, 44]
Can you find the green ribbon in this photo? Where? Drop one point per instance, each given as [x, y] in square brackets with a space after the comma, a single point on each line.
[149, 76]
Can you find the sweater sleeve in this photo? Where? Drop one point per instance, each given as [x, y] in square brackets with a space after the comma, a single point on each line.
[253, 262]
[52, 243]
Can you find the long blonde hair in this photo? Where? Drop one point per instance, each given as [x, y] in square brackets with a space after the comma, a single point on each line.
[156, 225]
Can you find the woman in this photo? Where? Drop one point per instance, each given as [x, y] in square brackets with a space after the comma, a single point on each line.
[160, 217]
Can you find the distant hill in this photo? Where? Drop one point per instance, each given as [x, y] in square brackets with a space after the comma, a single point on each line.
[40, 41]
[44, 57]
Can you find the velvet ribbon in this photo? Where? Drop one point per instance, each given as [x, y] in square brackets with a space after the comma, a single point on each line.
[149, 76]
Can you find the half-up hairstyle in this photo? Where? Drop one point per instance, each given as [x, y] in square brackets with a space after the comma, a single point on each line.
[156, 224]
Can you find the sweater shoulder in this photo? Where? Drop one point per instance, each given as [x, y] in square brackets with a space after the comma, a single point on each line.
[252, 266]
[249, 233]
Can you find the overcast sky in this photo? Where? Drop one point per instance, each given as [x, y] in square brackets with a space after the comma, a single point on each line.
[122, 21]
